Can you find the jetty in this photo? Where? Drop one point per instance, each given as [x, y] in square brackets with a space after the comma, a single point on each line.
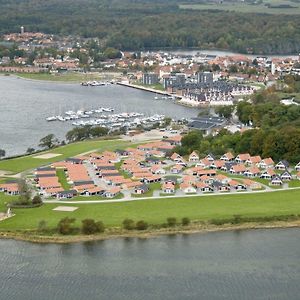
[147, 89]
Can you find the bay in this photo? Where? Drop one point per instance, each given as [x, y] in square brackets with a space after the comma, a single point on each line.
[25, 104]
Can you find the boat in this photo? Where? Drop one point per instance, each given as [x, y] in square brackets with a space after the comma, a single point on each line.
[50, 119]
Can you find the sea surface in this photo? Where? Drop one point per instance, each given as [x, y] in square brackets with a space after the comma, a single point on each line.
[25, 104]
[250, 264]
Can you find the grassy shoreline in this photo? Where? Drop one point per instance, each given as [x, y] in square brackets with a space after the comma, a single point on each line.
[65, 78]
[117, 233]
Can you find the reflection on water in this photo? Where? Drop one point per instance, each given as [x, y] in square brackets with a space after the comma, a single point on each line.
[26, 104]
[257, 264]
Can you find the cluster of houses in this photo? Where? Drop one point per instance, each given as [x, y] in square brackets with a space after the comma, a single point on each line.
[106, 174]
[248, 166]
[133, 171]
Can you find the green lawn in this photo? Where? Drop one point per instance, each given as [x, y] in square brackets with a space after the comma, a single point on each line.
[60, 173]
[65, 77]
[294, 183]
[243, 7]
[4, 200]
[21, 164]
[200, 208]
[157, 86]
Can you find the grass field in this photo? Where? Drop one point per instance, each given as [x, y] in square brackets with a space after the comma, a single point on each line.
[66, 77]
[21, 164]
[244, 7]
[60, 173]
[201, 208]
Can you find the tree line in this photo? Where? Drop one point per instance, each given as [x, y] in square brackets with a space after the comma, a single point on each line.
[144, 24]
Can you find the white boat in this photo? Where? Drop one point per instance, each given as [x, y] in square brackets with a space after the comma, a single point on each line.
[49, 119]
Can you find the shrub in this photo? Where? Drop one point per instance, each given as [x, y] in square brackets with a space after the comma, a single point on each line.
[37, 199]
[171, 222]
[42, 226]
[185, 221]
[64, 226]
[128, 224]
[89, 226]
[141, 225]
[100, 226]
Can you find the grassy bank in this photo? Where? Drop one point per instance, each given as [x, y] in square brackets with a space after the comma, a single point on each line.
[23, 163]
[155, 212]
[70, 77]
[112, 233]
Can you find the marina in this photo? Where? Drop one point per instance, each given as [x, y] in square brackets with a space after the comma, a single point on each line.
[111, 121]
[25, 106]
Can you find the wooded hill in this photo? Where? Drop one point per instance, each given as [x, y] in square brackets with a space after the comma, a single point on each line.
[144, 24]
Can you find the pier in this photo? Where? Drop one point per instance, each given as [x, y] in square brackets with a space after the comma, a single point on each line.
[143, 88]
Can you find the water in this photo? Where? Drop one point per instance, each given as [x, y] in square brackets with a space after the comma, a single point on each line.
[25, 104]
[257, 264]
[228, 53]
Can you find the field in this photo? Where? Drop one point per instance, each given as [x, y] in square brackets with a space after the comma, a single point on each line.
[266, 7]
[67, 77]
[21, 164]
[202, 208]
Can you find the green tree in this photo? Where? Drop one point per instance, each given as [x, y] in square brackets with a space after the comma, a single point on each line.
[171, 221]
[48, 141]
[141, 225]
[2, 153]
[65, 226]
[128, 224]
[37, 199]
[185, 221]
[89, 226]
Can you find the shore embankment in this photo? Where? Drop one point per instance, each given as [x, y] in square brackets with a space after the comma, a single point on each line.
[117, 233]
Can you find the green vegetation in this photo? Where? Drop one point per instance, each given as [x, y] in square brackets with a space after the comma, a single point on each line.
[63, 77]
[90, 226]
[60, 173]
[23, 163]
[259, 7]
[202, 208]
[145, 24]
[157, 86]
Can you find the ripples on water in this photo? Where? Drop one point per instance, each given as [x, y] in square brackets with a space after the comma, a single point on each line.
[260, 264]
[26, 104]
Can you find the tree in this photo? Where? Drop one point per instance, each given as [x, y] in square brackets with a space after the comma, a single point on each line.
[30, 150]
[25, 193]
[48, 141]
[141, 225]
[89, 226]
[65, 227]
[171, 222]
[128, 224]
[225, 111]
[37, 199]
[2, 153]
[185, 221]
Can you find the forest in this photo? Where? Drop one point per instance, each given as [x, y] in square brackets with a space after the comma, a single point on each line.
[148, 24]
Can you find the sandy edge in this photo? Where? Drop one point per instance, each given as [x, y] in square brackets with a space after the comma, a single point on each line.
[153, 233]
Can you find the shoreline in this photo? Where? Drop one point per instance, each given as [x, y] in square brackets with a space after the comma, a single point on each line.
[114, 233]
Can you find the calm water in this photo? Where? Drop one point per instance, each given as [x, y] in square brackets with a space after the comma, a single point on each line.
[260, 264]
[25, 104]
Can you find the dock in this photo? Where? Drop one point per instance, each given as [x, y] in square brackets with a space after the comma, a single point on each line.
[146, 89]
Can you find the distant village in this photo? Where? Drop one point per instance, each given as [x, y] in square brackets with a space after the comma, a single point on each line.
[195, 79]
